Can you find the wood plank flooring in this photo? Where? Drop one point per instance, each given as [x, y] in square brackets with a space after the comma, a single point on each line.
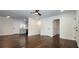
[20, 41]
[50, 42]
[12, 41]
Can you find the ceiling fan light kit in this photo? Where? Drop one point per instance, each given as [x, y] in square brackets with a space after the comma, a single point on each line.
[36, 12]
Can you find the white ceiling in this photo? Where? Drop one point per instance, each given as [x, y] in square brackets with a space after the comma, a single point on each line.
[22, 14]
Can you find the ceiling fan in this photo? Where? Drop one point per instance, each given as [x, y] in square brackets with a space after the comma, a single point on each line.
[36, 12]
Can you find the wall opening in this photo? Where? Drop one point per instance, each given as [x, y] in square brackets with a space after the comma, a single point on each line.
[56, 32]
[56, 27]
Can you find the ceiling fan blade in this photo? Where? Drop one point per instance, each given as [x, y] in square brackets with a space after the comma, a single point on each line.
[39, 14]
[36, 10]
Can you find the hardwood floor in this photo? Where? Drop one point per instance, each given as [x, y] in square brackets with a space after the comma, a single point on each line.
[50, 42]
[20, 41]
[12, 41]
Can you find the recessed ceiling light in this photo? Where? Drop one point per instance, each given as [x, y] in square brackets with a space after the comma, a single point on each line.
[7, 16]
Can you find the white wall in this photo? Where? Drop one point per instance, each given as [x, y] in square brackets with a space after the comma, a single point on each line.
[10, 26]
[5, 26]
[66, 25]
[47, 25]
[77, 25]
[17, 26]
[33, 28]
[46, 28]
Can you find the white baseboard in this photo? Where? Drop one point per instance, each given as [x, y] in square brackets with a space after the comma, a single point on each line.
[32, 34]
[47, 35]
[9, 34]
[66, 38]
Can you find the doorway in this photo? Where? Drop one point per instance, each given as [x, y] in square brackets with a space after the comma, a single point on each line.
[56, 27]
[56, 33]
